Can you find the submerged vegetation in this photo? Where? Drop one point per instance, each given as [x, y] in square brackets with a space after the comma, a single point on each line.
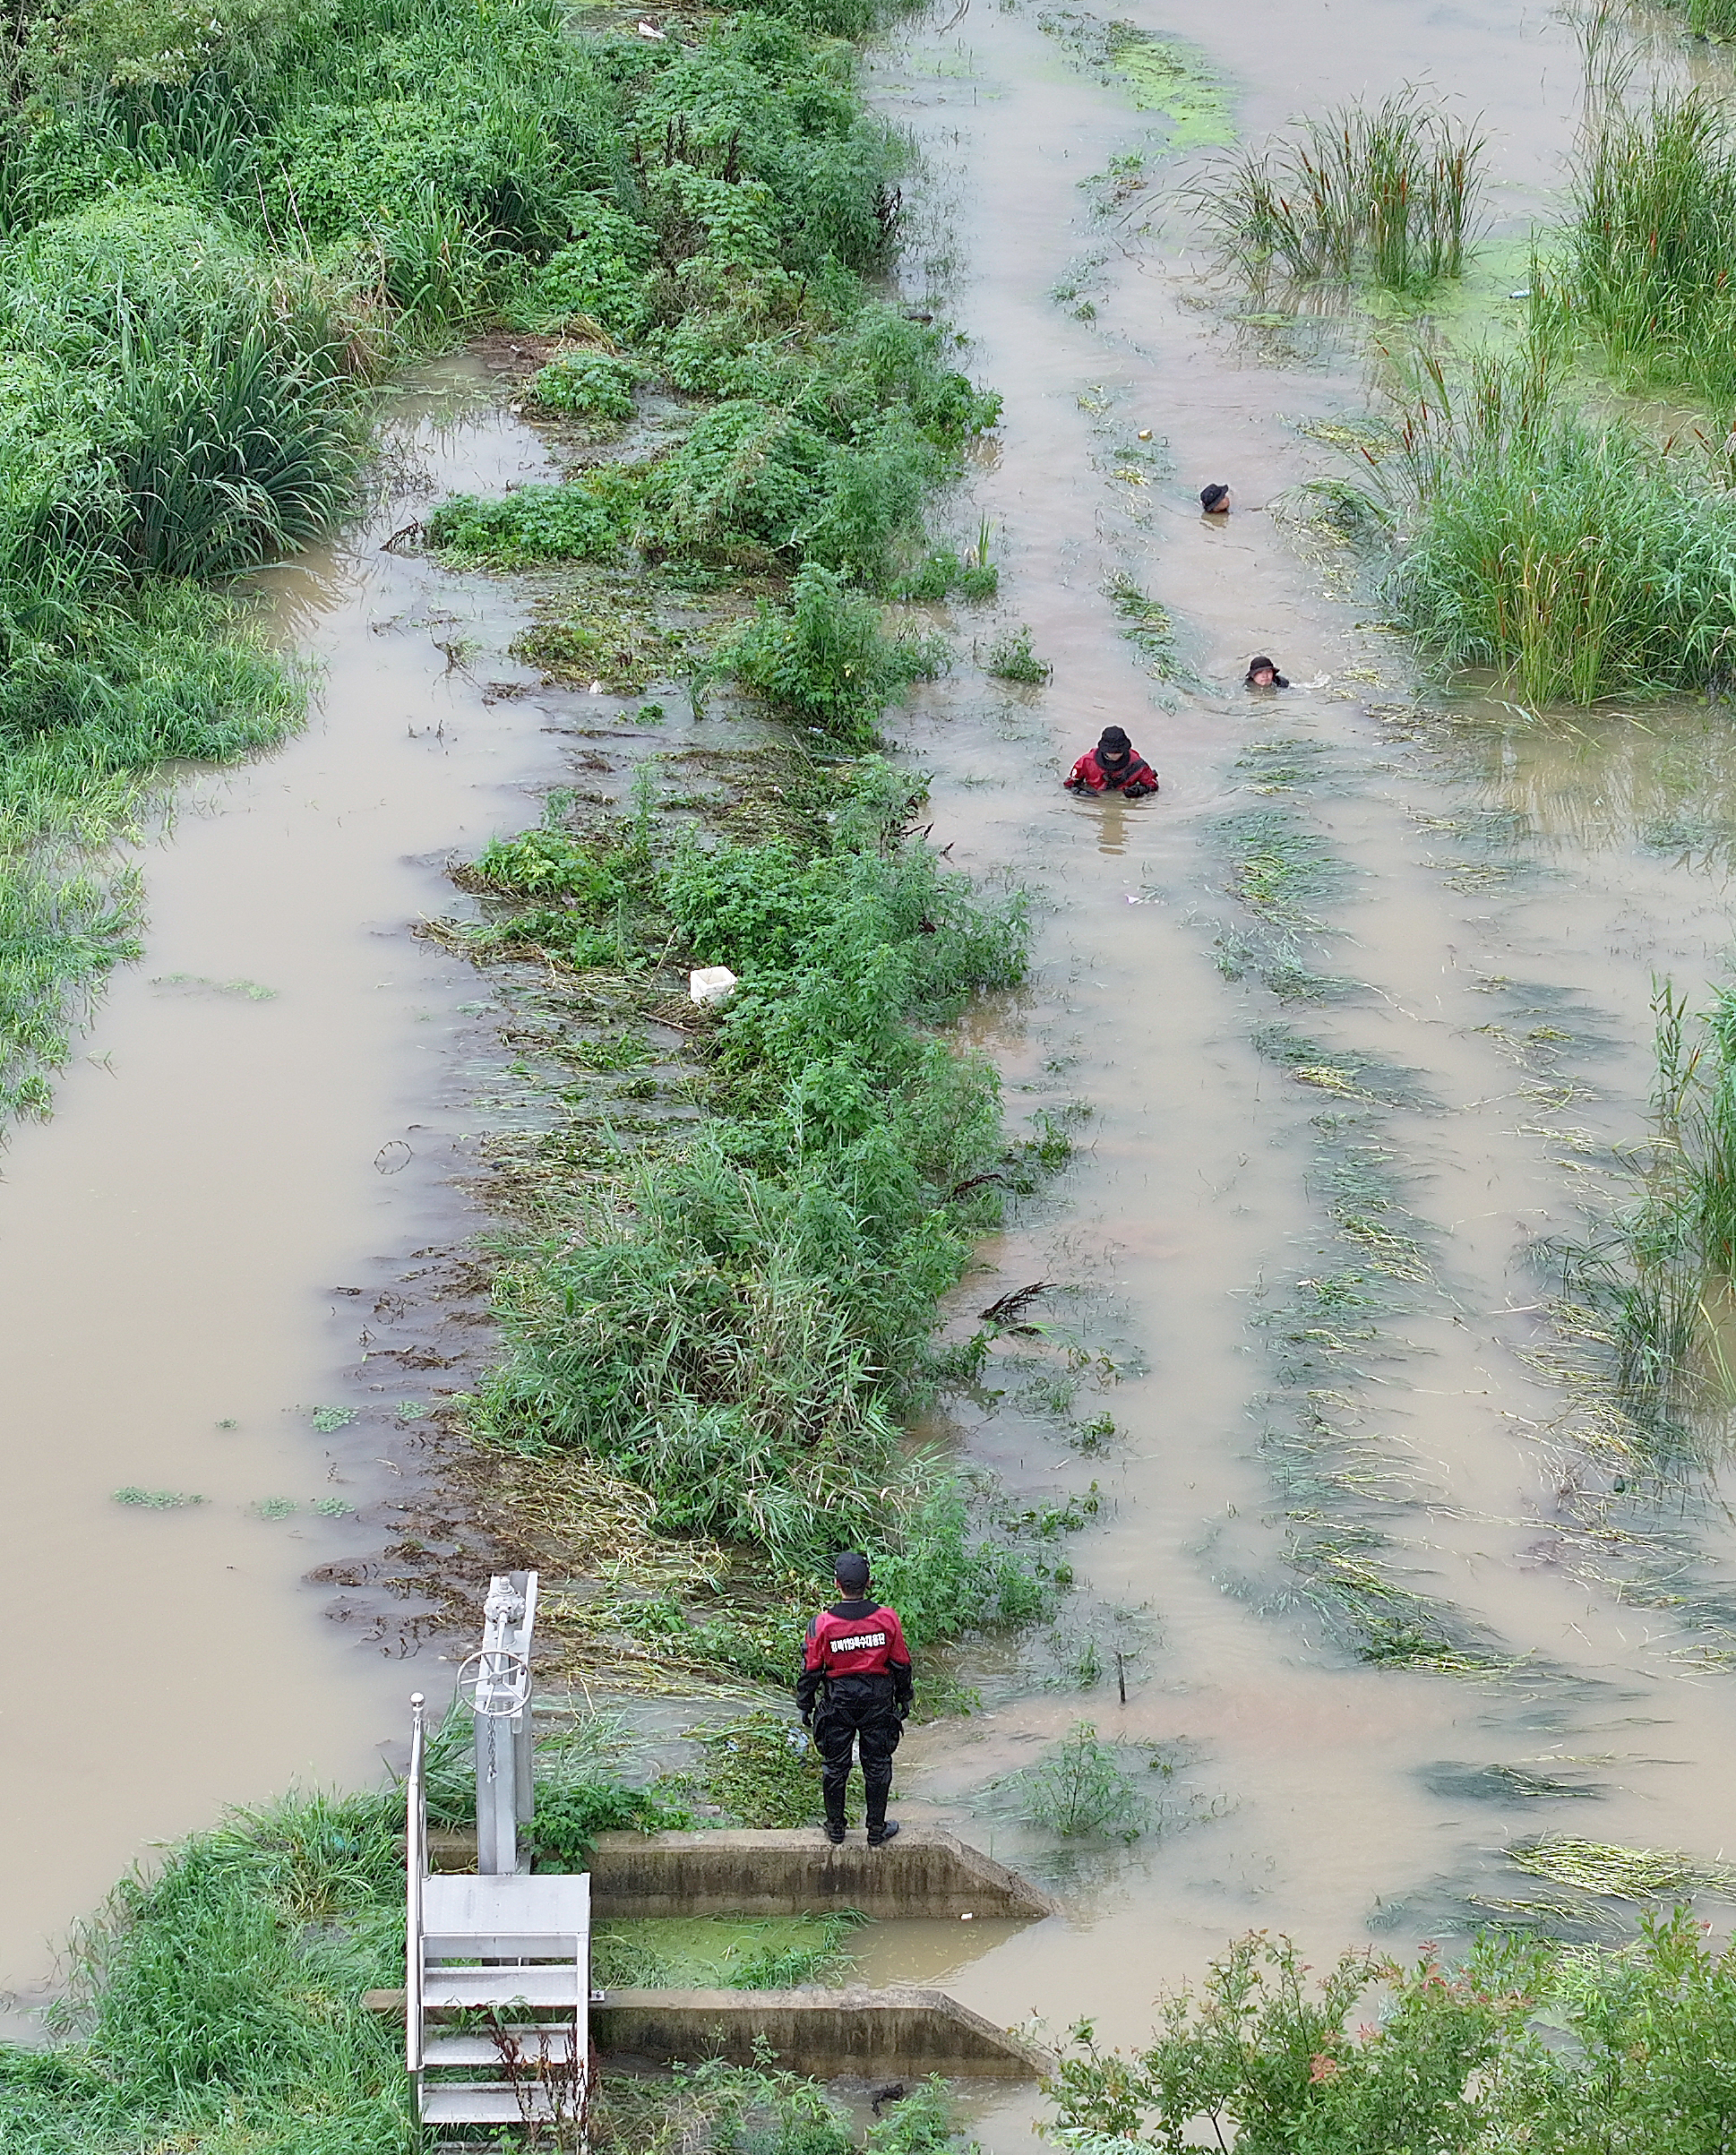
[1374, 2056]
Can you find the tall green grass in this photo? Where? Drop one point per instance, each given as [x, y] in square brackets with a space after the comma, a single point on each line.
[1575, 557]
[1661, 1275]
[1646, 253]
[1389, 192]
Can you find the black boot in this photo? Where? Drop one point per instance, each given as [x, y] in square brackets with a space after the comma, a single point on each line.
[835, 1832]
[878, 1835]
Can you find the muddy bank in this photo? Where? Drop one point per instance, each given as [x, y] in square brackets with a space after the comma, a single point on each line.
[243, 1213]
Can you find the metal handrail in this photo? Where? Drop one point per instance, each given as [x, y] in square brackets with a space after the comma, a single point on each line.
[416, 1869]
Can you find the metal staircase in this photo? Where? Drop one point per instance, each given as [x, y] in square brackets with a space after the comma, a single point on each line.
[497, 1964]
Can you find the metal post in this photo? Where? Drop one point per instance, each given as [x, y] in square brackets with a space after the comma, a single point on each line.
[416, 1869]
[496, 1684]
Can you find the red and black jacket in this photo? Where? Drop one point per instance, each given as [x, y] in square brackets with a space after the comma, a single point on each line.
[1135, 777]
[854, 1644]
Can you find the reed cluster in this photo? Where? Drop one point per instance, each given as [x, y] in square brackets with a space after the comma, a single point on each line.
[1660, 1277]
[1646, 259]
[1389, 193]
[1575, 557]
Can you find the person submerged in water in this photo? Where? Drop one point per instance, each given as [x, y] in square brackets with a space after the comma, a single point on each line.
[1263, 674]
[1114, 766]
[1215, 500]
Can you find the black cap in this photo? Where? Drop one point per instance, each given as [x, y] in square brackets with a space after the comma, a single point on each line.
[851, 1570]
[1210, 497]
[1115, 741]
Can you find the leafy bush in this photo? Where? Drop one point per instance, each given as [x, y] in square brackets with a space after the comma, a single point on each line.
[825, 659]
[592, 382]
[570, 1815]
[531, 524]
[1453, 2062]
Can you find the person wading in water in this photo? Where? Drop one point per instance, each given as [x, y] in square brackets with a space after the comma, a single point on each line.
[854, 1692]
[1114, 766]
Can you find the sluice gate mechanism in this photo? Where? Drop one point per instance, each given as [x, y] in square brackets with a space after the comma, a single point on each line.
[497, 1962]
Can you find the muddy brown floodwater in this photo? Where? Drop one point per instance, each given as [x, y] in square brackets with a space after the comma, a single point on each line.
[178, 1276]
[1506, 892]
[229, 1224]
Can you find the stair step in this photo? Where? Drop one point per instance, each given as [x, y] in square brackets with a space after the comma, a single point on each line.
[502, 1944]
[466, 1903]
[534, 2043]
[547, 1985]
[483, 2103]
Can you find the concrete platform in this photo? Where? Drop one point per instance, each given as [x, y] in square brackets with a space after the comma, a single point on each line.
[923, 1873]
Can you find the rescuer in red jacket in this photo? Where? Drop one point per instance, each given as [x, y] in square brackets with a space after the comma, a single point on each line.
[854, 1692]
[1114, 766]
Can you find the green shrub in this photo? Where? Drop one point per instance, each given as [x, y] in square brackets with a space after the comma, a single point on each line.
[531, 524]
[825, 659]
[569, 1815]
[1454, 2061]
[592, 382]
[1081, 1786]
[599, 274]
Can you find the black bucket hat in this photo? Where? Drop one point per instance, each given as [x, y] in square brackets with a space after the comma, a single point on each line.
[1210, 497]
[1115, 741]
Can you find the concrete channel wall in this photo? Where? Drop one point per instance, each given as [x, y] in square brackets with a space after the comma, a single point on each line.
[923, 1873]
[878, 2034]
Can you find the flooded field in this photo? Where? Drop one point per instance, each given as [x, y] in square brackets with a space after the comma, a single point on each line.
[1360, 1010]
[1434, 1049]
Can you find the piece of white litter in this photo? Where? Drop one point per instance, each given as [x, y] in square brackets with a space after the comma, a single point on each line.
[596, 688]
[710, 983]
[1525, 294]
[965, 1917]
[647, 30]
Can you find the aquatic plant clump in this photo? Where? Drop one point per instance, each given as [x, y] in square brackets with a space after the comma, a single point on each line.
[1390, 192]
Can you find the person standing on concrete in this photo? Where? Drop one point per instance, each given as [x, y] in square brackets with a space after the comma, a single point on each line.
[854, 1692]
